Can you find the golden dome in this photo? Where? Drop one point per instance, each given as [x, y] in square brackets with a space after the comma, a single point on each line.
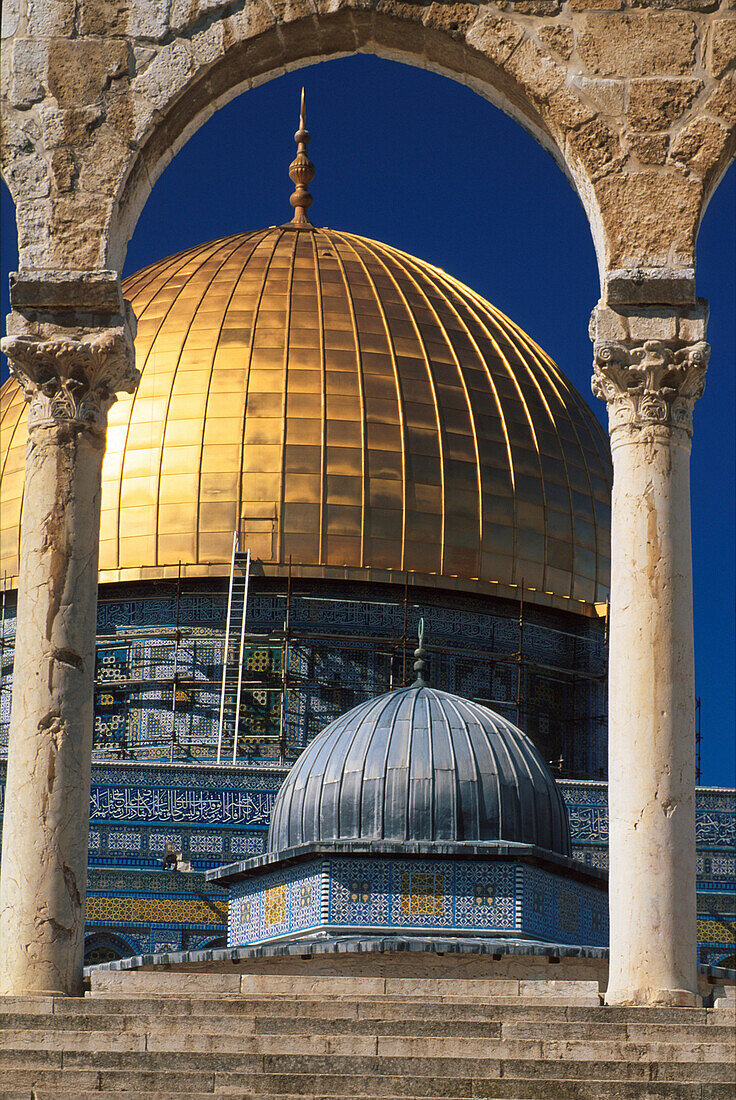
[347, 407]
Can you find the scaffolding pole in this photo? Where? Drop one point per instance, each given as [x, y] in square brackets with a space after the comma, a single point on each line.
[698, 740]
[284, 664]
[176, 666]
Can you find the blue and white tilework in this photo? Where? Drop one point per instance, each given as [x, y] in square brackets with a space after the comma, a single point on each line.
[205, 844]
[124, 841]
[133, 715]
[276, 903]
[419, 895]
[485, 896]
[249, 844]
[359, 892]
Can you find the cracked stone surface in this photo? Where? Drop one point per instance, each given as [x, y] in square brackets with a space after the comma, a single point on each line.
[650, 387]
[44, 852]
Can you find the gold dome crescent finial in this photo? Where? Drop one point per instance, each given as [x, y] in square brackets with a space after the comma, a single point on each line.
[301, 171]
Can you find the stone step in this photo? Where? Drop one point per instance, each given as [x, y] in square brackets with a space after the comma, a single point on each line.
[53, 1025]
[383, 1008]
[528, 1064]
[287, 1086]
[273, 1046]
[382, 1046]
[503, 1089]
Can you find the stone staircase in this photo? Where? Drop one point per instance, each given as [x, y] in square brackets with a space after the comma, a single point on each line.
[292, 1037]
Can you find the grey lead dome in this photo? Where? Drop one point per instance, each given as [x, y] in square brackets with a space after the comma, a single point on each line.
[420, 764]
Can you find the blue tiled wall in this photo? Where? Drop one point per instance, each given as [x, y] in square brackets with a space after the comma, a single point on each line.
[418, 895]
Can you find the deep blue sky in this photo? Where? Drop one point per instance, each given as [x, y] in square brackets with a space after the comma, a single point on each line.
[416, 160]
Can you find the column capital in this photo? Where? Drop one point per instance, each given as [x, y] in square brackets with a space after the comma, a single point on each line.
[73, 378]
[650, 383]
[649, 365]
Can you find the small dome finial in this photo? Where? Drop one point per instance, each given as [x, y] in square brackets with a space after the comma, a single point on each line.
[420, 665]
[301, 171]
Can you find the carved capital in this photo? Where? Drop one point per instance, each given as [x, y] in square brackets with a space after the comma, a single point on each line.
[73, 380]
[652, 383]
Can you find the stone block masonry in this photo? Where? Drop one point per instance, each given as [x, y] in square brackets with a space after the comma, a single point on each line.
[96, 105]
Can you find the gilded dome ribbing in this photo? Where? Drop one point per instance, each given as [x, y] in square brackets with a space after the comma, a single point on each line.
[347, 407]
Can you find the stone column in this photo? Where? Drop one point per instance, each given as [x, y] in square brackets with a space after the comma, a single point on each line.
[70, 375]
[650, 385]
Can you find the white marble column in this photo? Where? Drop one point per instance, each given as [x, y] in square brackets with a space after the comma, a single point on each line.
[70, 378]
[650, 386]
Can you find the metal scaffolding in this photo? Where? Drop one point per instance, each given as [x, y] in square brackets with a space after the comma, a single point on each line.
[185, 691]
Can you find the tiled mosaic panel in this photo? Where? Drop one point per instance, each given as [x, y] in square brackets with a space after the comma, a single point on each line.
[421, 894]
[103, 945]
[562, 910]
[128, 790]
[146, 845]
[144, 910]
[186, 910]
[276, 903]
[360, 892]
[715, 824]
[587, 807]
[485, 896]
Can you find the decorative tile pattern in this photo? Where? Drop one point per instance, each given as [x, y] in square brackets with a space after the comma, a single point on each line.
[276, 903]
[251, 844]
[180, 910]
[359, 891]
[422, 894]
[123, 841]
[412, 894]
[149, 798]
[200, 843]
[160, 842]
[485, 896]
[190, 804]
[563, 910]
[275, 906]
[133, 715]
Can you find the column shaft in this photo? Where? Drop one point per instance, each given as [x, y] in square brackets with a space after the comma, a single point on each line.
[651, 771]
[650, 387]
[45, 830]
[70, 377]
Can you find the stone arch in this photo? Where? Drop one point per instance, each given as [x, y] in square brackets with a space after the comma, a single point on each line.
[494, 56]
[635, 105]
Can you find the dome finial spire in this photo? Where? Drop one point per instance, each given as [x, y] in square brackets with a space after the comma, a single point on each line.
[420, 665]
[301, 171]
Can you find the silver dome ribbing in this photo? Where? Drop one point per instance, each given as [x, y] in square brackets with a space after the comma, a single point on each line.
[420, 764]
